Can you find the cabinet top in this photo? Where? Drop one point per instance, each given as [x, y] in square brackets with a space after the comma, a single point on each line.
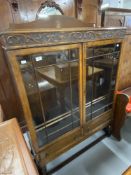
[55, 30]
[111, 9]
[54, 23]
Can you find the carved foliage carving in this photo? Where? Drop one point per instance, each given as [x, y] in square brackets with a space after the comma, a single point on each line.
[50, 38]
[51, 4]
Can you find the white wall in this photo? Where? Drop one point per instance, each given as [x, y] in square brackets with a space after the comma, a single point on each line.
[114, 3]
[118, 3]
[127, 4]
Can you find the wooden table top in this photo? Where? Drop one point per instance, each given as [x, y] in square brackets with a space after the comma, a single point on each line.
[1, 114]
[106, 62]
[15, 158]
[127, 172]
[49, 75]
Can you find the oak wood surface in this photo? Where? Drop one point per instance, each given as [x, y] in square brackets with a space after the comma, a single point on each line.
[90, 16]
[27, 11]
[65, 142]
[119, 114]
[15, 157]
[123, 83]
[115, 17]
[117, 9]
[86, 128]
[70, 139]
[8, 96]
[49, 75]
[16, 73]
[1, 114]
[127, 172]
[125, 65]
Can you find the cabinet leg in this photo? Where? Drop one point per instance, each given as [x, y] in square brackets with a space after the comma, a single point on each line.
[44, 171]
[117, 134]
[41, 170]
[108, 130]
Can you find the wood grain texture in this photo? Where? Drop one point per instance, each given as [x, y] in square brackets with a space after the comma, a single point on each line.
[124, 73]
[88, 12]
[5, 13]
[68, 140]
[119, 114]
[20, 86]
[33, 34]
[27, 11]
[1, 114]
[123, 82]
[14, 155]
[8, 96]
[115, 17]
[88, 38]
[127, 172]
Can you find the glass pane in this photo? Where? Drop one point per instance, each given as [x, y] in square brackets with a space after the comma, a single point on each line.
[54, 76]
[31, 86]
[101, 69]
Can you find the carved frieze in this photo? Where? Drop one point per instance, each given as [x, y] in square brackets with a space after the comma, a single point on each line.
[24, 40]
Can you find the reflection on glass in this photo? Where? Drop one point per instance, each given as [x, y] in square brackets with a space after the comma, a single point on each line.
[51, 82]
[47, 11]
[101, 69]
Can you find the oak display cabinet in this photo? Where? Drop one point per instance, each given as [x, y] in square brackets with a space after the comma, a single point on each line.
[115, 17]
[65, 75]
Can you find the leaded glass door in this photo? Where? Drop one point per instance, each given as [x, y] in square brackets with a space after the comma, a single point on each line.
[52, 82]
[101, 65]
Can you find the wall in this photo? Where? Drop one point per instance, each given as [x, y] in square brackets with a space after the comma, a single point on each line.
[27, 10]
[118, 3]
[114, 3]
[127, 4]
[89, 12]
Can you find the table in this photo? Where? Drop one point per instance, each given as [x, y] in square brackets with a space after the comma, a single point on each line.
[49, 75]
[15, 158]
[106, 62]
[127, 172]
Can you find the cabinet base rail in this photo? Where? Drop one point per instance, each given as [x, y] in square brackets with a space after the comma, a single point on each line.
[74, 156]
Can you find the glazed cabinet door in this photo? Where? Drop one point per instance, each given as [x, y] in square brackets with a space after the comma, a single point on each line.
[51, 81]
[101, 65]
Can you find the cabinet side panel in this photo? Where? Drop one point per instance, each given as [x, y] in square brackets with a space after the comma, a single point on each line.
[8, 96]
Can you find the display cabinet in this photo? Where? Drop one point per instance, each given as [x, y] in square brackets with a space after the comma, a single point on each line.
[115, 17]
[65, 75]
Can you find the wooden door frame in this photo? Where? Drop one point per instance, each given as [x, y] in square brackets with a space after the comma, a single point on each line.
[18, 80]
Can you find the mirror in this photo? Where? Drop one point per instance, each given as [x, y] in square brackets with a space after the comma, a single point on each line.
[48, 8]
